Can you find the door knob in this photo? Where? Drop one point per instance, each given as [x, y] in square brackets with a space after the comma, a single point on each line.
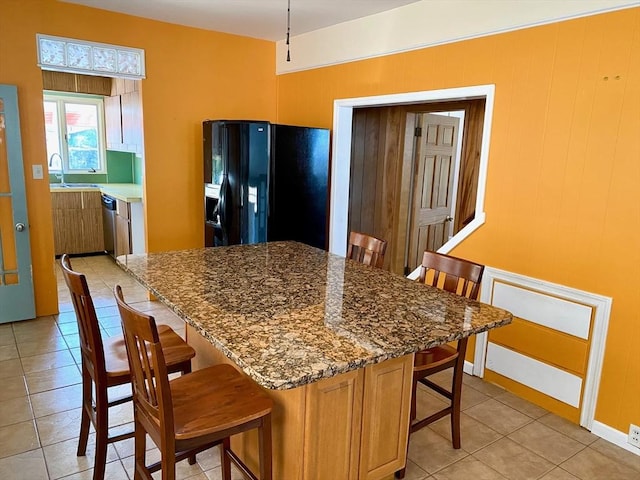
[448, 219]
[19, 227]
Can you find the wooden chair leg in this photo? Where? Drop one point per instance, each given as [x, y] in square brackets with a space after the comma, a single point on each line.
[169, 466]
[264, 435]
[85, 419]
[102, 432]
[140, 449]
[187, 369]
[225, 462]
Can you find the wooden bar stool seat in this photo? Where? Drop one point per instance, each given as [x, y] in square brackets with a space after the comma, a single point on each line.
[105, 364]
[193, 412]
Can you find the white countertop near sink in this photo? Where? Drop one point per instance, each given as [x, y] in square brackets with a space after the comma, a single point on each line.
[127, 192]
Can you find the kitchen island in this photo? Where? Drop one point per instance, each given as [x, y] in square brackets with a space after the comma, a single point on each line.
[330, 339]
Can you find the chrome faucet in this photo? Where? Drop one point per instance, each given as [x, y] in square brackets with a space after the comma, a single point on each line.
[61, 175]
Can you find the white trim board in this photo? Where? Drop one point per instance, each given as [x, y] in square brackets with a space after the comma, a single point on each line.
[614, 436]
[540, 376]
[341, 155]
[602, 311]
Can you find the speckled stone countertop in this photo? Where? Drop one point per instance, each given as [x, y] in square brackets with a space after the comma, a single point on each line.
[289, 314]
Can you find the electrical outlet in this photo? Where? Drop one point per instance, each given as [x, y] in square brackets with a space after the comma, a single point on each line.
[634, 435]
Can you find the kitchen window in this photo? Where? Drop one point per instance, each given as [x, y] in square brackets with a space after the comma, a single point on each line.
[74, 126]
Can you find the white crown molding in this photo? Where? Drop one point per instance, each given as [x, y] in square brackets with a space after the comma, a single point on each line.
[428, 23]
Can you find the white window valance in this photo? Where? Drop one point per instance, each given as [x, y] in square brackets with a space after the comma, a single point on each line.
[90, 58]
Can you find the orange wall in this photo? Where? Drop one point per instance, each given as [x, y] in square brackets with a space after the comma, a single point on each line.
[191, 75]
[562, 197]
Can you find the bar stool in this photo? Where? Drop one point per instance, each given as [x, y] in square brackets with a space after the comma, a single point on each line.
[366, 249]
[193, 412]
[105, 365]
[461, 277]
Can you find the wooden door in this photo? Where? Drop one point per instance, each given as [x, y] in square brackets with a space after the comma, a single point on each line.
[16, 284]
[432, 203]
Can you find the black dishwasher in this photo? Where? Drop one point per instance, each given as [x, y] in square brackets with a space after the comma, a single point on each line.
[109, 223]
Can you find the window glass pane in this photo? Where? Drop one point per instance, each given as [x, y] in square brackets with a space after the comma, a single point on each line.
[82, 136]
[52, 130]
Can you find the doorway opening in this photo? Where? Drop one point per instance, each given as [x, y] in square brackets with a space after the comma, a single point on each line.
[385, 199]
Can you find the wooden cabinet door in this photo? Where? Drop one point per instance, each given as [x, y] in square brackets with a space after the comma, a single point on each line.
[113, 122]
[132, 121]
[333, 408]
[92, 226]
[385, 417]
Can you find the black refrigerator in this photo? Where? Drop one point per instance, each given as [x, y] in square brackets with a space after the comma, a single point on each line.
[265, 182]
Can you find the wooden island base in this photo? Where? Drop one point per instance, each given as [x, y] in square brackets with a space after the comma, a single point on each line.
[353, 426]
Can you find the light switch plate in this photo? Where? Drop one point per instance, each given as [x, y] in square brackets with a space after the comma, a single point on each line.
[37, 172]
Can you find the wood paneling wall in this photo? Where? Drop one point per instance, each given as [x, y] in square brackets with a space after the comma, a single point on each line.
[379, 182]
[72, 82]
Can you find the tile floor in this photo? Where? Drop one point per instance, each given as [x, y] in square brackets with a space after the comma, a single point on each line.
[503, 437]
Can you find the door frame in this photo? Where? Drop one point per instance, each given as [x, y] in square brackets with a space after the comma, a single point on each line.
[341, 155]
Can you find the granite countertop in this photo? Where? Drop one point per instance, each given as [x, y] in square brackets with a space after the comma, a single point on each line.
[127, 192]
[289, 314]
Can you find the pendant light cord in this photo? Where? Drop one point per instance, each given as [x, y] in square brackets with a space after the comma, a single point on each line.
[288, 28]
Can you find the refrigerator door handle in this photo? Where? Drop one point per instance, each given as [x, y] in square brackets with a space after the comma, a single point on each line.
[222, 208]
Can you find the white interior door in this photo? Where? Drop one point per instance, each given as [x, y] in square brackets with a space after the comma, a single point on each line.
[16, 283]
[432, 204]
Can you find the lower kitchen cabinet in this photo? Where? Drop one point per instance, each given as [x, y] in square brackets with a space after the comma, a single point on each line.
[77, 222]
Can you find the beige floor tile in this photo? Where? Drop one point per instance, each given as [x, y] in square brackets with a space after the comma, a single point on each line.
[15, 410]
[62, 459]
[547, 442]
[59, 426]
[110, 311]
[470, 468]
[209, 459]
[51, 379]
[110, 322]
[568, 428]
[70, 328]
[47, 361]
[6, 336]
[522, 405]
[73, 341]
[10, 368]
[474, 435]
[513, 461]
[18, 438]
[32, 330]
[28, 465]
[216, 474]
[414, 472]
[613, 451]
[8, 352]
[590, 464]
[183, 469]
[428, 402]
[487, 388]
[43, 345]
[432, 452]
[471, 397]
[54, 401]
[559, 474]
[113, 471]
[498, 416]
[13, 387]
[66, 317]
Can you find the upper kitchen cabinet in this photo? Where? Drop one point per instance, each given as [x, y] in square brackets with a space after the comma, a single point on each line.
[123, 116]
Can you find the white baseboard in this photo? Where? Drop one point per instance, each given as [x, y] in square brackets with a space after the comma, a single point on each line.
[614, 436]
[468, 367]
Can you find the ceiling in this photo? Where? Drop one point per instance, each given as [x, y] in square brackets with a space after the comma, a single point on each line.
[265, 19]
